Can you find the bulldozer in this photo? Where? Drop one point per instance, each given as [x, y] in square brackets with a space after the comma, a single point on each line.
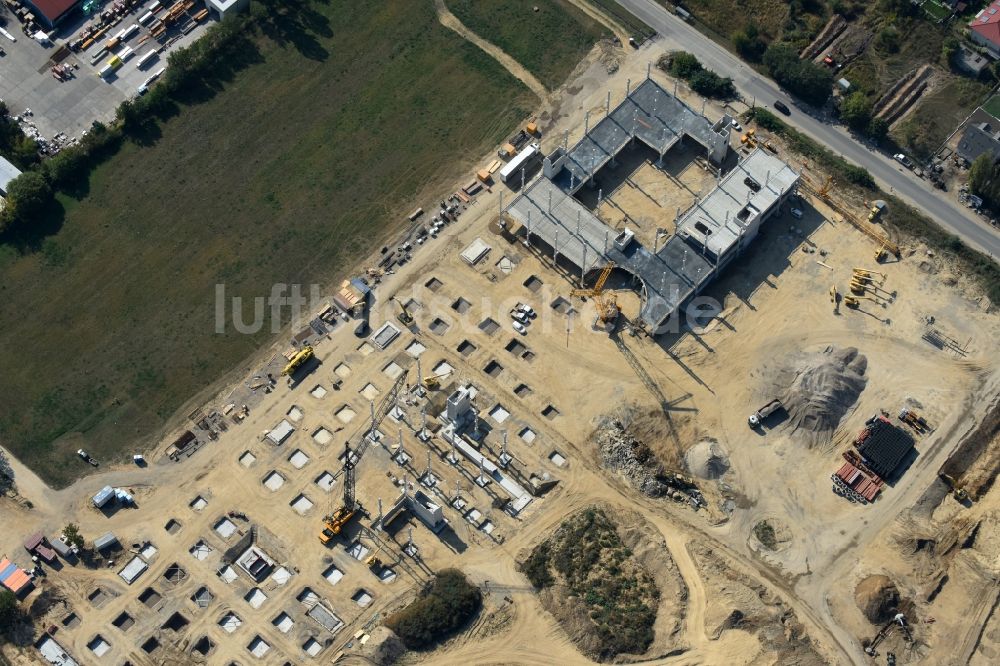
[961, 494]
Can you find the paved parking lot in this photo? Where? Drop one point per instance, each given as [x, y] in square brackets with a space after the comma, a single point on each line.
[26, 81]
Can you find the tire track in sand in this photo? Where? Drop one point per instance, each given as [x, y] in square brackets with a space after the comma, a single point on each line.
[451, 22]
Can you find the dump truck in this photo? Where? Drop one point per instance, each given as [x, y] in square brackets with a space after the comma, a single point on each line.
[761, 414]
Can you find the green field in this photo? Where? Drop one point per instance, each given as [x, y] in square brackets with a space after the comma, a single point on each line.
[549, 43]
[302, 161]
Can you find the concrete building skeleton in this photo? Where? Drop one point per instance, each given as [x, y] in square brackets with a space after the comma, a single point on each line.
[713, 231]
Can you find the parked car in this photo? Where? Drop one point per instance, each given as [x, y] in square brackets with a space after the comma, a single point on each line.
[736, 125]
[797, 213]
[519, 327]
[781, 106]
[903, 159]
[519, 316]
[527, 309]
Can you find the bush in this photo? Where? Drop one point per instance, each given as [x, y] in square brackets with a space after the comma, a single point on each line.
[703, 81]
[10, 612]
[856, 111]
[806, 79]
[447, 605]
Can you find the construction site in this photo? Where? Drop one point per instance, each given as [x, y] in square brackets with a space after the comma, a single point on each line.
[787, 417]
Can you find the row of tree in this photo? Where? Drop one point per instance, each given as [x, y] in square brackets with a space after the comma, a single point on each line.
[984, 180]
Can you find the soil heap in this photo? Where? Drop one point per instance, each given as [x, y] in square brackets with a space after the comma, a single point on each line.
[707, 459]
[824, 388]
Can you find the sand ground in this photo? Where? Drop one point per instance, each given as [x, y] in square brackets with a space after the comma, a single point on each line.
[774, 302]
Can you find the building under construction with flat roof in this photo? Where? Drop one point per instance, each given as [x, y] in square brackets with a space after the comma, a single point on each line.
[709, 234]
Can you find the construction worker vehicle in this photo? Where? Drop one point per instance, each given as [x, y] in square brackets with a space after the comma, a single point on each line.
[334, 523]
[914, 420]
[86, 457]
[298, 360]
[758, 417]
[433, 382]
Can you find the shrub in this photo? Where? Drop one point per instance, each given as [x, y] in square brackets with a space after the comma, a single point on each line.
[27, 196]
[449, 603]
[703, 81]
[749, 44]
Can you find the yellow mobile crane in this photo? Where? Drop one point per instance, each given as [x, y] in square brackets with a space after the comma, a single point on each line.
[607, 307]
[297, 361]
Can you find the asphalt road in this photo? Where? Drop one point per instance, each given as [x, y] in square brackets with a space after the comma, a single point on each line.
[891, 176]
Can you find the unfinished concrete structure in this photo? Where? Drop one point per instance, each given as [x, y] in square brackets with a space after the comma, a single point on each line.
[710, 233]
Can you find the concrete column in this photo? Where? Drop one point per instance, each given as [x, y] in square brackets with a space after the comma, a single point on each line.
[372, 432]
[555, 247]
[578, 213]
[628, 88]
[378, 521]
[550, 202]
[583, 264]
[648, 65]
[607, 105]
[606, 234]
[522, 181]
[586, 122]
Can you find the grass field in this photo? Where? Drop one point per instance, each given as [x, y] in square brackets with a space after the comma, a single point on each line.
[992, 106]
[549, 43]
[304, 160]
[937, 115]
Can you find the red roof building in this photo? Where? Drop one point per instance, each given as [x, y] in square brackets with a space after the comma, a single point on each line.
[51, 12]
[985, 28]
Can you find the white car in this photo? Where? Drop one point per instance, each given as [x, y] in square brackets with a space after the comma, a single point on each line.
[519, 316]
[527, 310]
[903, 159]
[519, 327]
[796, 213]
[736, 125]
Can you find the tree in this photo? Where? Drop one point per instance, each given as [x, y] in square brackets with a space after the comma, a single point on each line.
[684, 64]
[878, 128]
[856, 111]
[71, 533]
[749, 44]
[804, 78]
[948, 50]
[450, 602]
[888, 39]
[28, 195]
[10, 613]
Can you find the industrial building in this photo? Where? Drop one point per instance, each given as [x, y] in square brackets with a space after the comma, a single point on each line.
[51, 13]
[220, 9]
[713, 231]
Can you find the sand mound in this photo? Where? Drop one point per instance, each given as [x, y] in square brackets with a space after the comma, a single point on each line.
[824, 388]
[707, 459]
[878, 598]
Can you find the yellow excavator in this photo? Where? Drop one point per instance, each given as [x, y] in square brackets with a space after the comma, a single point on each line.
[334, 523]
[607, 307]
[404, 316]
[854, 302]
[433, 382]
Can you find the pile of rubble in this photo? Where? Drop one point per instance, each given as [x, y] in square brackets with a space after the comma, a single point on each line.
[622, 452]
[45, 146]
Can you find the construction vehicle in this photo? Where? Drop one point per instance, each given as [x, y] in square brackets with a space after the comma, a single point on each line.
[758, 417]
[878, 206]
[834, 294]
[86, 457]
[433, 382]
[297, 361]
[882, 253]
[961, 494]
[914, 420]
[404, 316]
[867, 273]
[607, 308]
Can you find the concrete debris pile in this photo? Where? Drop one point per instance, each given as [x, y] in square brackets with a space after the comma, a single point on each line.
[622, 452]
[825, 387]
